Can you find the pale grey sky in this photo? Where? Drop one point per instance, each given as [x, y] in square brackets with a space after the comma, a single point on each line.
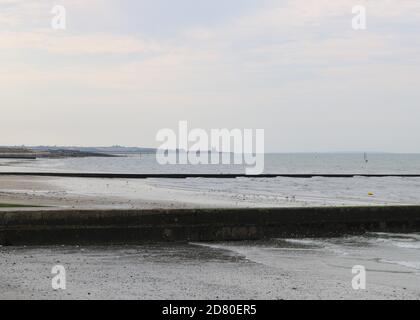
[124, 69]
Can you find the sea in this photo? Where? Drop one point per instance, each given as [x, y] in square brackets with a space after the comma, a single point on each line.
[299, 163]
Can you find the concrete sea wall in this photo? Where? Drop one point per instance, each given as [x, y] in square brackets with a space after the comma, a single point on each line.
[47, 227]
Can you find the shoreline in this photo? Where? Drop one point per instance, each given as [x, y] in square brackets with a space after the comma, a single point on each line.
[100, 193]
[91, 210]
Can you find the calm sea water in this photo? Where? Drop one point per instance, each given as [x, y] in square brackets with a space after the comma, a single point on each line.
[274, 163]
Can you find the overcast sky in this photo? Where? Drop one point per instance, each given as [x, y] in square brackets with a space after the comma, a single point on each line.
[124, 69]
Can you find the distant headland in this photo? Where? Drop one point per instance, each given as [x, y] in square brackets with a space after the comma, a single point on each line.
[25, 152]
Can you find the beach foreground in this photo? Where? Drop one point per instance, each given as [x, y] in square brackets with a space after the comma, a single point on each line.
[275, 269]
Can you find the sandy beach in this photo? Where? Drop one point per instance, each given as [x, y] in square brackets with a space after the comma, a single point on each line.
[88, 193]
[277, 269]
[78, 193]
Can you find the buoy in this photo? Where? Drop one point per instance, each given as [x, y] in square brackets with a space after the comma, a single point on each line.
[370, 194]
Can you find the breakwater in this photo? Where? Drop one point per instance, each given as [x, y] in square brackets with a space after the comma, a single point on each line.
[54, 227]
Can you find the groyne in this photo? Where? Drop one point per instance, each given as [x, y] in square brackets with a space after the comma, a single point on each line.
[49, 227]
[201, 175]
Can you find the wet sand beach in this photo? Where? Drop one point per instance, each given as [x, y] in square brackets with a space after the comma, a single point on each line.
[276, 269]
[89, 193]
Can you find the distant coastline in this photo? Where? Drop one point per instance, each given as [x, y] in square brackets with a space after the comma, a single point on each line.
[56, 152]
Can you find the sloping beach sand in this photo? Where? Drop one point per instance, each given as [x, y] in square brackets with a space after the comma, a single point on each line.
[88, 193]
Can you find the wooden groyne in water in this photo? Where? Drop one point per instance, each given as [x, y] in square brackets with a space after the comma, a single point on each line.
[17, 156]
[49, 227]
[203, 175]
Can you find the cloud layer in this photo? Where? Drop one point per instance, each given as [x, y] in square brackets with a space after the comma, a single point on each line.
[294, 68]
